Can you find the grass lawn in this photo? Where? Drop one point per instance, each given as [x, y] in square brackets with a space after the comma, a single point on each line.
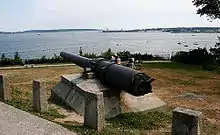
[173, 83]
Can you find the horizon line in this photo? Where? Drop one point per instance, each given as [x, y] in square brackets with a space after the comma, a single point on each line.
[95, 29]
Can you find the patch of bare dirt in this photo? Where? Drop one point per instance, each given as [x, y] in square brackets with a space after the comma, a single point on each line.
[71, 117]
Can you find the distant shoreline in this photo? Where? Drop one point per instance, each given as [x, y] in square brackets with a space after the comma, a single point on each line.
[171, 30]
[46, 31]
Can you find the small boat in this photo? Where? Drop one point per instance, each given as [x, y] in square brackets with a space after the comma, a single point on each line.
[196, 43]
[118, 44]
[179, 43]
[38, 33]
[186, 46]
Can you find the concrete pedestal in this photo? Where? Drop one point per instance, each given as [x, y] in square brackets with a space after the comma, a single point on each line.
[76, 91]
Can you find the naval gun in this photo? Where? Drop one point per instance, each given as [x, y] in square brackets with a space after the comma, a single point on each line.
[113, 75]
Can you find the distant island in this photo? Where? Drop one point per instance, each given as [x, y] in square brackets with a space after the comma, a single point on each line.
[171, 30]
[45, 31]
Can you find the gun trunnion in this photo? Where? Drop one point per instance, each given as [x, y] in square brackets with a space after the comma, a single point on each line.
[113, 75]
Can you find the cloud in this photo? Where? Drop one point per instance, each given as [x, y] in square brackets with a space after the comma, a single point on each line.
[111, 7]
[113, 14]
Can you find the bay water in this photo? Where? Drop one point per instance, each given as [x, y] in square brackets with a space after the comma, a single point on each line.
[36, 45]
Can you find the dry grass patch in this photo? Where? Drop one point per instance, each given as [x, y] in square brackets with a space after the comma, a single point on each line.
[175, 80]
[23, 78]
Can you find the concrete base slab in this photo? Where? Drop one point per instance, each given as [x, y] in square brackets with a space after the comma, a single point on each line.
[147, 102]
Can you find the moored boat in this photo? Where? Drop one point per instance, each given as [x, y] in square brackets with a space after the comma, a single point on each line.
[196, 43]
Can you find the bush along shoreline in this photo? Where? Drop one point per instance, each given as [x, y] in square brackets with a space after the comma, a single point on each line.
[17, 60]
[208, 60]
[124, 55]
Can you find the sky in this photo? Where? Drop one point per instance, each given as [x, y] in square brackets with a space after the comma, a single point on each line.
[18, 15]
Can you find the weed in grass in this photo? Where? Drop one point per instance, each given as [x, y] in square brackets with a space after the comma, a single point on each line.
[16, 93]
[51, 114]
[23, 104]
[27, 94]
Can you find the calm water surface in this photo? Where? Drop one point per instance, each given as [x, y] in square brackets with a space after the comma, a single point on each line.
[32, 45]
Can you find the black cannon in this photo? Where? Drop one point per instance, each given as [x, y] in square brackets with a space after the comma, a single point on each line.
[114, 75]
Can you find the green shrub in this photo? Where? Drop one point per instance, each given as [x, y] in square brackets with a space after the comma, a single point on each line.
[17, 59]
[9, 61]
[216, 52]
[90, 55]
[207, 60]
[107, 54]
[44, 59]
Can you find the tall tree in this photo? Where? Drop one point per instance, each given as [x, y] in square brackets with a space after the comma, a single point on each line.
[211, 8]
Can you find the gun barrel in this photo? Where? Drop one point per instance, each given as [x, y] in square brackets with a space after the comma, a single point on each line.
[124, 78]
[76, 59]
